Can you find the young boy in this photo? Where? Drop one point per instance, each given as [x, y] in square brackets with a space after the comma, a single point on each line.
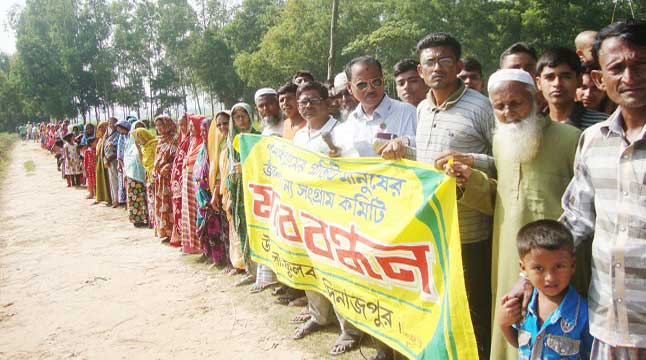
[556, 321]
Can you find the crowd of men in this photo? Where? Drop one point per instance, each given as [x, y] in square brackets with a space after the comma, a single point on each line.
[558, 136]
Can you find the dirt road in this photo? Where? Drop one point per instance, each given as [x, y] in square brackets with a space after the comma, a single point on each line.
[78, 281]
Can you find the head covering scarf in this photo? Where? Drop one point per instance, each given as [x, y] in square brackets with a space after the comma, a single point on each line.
[196, 141]
[101, 129]
[148, 145]
[201, 169]
[133, 165]
[124, 124]
[234, 157]
[84, 138]
[216, 142]
[234, 180]
[100, 132]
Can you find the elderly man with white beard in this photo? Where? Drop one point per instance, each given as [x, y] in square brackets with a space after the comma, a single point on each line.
[534, 158]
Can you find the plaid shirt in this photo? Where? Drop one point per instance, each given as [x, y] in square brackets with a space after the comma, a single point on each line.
[606, 200]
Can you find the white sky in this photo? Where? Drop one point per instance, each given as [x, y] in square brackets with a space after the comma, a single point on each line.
[7, 37]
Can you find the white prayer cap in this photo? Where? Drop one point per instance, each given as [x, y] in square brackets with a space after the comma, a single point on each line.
[263, 92]
[340, 81]
[510, 75]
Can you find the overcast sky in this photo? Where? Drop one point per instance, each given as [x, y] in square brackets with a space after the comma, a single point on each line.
[7, 37]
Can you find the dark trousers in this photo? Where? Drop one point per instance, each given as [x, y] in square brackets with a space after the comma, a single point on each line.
[476, 262]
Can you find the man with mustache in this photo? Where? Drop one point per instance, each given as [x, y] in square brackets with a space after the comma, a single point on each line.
[457, 122]
[606, 201]
[266, 100]
[559, 75]
[313, 107]
[534, 158]
[377, 116]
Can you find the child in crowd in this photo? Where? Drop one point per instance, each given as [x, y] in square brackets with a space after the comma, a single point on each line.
[89, 164]
[556, 321]
[72, 163]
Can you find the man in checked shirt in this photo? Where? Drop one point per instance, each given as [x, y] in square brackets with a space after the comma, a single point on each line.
[606, 200]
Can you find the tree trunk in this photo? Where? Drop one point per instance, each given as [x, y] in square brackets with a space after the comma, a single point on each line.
[332, 56]
[212, 105]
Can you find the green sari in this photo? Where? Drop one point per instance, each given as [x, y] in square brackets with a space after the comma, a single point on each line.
[234, 182]
[102, 192]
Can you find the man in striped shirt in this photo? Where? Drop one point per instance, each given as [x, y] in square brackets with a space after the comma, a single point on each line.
[559, 75]
[457, 122]
[606, 199]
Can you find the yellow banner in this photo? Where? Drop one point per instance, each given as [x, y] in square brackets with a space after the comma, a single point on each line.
[378, 238]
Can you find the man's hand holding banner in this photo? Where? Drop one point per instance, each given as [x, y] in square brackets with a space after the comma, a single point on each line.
[378, 238]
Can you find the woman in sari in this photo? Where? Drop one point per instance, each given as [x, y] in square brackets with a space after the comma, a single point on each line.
[210, 221]
[146, 145]
[184, 141]
[102, 192]
[135, 179]
[190, 240]
[162, 166]
[123, 127]
[232, 194]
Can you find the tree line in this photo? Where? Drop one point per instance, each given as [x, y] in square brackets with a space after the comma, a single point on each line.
[89, 58]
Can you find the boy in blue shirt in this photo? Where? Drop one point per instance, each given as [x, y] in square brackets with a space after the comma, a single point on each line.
[556, 321]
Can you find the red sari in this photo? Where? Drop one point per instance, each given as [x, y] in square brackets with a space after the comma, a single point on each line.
[176, 188]
[89, 163]
[164, 159]
[190, 239]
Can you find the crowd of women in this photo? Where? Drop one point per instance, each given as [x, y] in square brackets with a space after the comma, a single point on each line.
[181, 179]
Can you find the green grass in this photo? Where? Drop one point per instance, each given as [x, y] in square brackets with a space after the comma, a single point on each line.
[7, 141]
[29, 166]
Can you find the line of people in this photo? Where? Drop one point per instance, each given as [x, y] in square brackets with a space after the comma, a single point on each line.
[518, 154]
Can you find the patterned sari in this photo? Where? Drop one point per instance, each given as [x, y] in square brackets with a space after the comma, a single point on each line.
[135, 177]
[211, 224]
[164, 157]
[102, 191]
[176, 188]
[190, 240]
[234, 186]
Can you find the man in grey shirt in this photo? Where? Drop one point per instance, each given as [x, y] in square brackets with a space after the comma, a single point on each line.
[455, 122]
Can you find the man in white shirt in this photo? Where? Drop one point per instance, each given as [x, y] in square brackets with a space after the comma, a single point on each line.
[312, 104]
[377, 116]
[266, 100]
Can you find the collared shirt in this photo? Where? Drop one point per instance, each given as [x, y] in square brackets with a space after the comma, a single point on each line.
[463, 123]
[390, 116]
[313, 140]
[582, 118]
[606, 200]
[564, 335]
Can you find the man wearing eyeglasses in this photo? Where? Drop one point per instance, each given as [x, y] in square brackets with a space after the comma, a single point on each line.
[377, 116]
[321, 134]
[455, 122]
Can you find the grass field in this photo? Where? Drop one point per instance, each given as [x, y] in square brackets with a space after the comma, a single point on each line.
[7, 140]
